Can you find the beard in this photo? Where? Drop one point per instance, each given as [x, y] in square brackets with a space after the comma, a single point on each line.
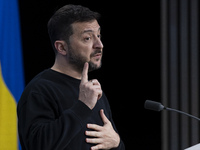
[78, 60]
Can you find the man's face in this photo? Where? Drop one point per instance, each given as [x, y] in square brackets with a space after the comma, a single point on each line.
[85, 45]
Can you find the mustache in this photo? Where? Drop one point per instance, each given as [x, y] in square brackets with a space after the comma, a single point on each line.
[96, 52]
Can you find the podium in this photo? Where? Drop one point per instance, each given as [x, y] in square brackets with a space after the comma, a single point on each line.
[195, 147]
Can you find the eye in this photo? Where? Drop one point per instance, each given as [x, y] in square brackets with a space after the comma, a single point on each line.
[87, 38]
[99, 36]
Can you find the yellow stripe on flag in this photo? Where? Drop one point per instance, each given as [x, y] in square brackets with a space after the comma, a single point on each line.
[8, 118]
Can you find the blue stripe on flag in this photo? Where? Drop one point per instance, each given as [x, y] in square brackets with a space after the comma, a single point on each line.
[11, 48]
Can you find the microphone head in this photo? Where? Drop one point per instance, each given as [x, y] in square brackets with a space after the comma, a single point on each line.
[152, 105]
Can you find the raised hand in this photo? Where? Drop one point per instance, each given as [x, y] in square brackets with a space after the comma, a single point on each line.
[104, 136]
[89, 91]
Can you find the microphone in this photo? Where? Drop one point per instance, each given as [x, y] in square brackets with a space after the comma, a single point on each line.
[156, 106]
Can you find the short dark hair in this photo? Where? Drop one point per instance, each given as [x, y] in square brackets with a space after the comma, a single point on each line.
[59, 25]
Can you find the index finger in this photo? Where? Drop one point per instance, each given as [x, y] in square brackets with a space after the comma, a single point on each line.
[94, 127]
[85, 73]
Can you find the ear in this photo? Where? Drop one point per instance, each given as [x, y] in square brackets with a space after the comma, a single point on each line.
[61, 47]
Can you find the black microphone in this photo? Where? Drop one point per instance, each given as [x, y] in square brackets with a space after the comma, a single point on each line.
[156, 106]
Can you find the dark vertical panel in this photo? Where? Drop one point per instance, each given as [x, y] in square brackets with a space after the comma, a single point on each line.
[173, 73]
[184, 73]
[180, 72]
[164, 71]
[194, 71]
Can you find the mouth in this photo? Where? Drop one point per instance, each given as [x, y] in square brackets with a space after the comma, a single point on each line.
[97, 56]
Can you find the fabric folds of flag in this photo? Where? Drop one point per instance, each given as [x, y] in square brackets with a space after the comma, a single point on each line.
[11, 73]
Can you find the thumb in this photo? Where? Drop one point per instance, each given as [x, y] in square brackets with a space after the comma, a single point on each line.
[103, 117]
[85, 73]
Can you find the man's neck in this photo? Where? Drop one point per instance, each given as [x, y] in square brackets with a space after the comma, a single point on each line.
[66, 68]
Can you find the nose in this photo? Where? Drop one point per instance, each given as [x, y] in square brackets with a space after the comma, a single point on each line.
[98, 44]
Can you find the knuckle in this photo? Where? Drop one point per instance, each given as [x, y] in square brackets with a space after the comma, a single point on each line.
[95, 80]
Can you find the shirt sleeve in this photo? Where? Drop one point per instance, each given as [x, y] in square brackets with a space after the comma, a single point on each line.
[41, 126]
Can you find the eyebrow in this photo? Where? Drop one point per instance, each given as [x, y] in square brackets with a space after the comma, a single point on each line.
[86, 31]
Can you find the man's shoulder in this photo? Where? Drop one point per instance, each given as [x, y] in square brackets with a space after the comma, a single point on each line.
[38, 80]
[40, 84]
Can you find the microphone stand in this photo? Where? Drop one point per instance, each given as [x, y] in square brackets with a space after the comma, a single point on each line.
[184, 113]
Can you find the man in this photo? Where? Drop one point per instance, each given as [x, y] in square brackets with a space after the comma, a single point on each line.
[60, 109]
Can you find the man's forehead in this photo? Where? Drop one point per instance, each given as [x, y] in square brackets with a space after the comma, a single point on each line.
[84, 27]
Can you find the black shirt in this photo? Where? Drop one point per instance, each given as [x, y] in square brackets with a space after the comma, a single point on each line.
[50, 116]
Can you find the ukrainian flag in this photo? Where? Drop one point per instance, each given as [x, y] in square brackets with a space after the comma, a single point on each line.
[11, 73]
